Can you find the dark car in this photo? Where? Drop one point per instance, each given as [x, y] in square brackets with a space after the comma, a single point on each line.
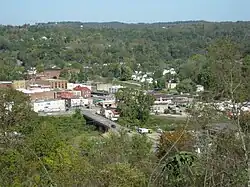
[113, 126]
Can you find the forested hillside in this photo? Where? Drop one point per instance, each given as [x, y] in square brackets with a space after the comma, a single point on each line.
[139, 46]
[66, 151]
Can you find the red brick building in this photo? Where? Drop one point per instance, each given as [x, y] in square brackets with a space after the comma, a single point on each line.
[86, 92]
[42, 95]
[64, 95]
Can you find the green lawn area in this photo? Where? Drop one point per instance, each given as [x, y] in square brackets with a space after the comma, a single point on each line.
[128, 84]
[165, 123]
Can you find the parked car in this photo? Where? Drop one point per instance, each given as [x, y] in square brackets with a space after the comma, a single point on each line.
[113, 126]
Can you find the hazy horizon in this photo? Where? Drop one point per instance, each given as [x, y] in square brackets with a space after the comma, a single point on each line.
[14, 12]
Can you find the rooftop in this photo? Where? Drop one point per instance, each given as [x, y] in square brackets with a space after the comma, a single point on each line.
[56, 80]
[5, 82]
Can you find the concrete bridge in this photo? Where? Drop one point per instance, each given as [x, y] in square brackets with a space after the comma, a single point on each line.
[101, 122]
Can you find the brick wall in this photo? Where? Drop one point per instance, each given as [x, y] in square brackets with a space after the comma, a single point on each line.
[42, 95]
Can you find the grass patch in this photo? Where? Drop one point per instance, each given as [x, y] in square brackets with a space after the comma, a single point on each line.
[128, 84]
[165, 123]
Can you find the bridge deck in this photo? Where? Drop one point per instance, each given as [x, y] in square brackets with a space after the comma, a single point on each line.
[100, 119]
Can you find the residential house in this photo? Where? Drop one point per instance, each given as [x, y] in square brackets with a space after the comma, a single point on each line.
[199, 88]
[170, 71]
[170, 85]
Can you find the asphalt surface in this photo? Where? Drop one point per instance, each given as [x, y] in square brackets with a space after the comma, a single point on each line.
[91, 114]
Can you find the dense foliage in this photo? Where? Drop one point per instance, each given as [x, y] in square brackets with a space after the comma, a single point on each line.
[65, 151]
[110, 51]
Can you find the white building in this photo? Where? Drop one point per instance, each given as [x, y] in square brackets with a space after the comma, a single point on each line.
[199, 88]
[49, 106]
[77, 102]
[111, 114]
[114, 89]
[103, 87]
[169, 71]
[159, 108]
[32, 71]
[170, 85]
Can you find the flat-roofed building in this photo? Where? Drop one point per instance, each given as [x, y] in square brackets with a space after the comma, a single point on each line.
[19, 84]
[6, 84]
[57, 83]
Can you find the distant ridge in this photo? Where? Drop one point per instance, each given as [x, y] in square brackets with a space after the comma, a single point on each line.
[121, 25]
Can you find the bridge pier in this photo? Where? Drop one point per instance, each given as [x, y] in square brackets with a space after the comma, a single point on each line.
[100, 127]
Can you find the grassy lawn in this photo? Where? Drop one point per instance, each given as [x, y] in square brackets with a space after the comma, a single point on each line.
[165, 123]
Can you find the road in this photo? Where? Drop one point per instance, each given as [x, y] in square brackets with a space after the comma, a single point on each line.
[91, 113]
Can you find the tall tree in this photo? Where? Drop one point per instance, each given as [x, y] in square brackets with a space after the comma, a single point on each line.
[134, 105]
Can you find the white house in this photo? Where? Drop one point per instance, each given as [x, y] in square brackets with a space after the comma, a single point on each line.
[171, 85]
[199, 88]
[169, 71]
[114, 89]
[159, 107]
[111, 114]
[49, 106]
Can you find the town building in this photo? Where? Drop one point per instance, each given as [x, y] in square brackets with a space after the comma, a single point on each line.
[79, 102]
[19, 84]
[160, 108]
[85, 92]
[38, 94]
[114, 89]
[67, 94]
[103, 87]
[5, 84]
[49, 106]
[57, 83]
[111, 114]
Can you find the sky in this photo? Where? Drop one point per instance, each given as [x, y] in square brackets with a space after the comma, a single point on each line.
[18, 12]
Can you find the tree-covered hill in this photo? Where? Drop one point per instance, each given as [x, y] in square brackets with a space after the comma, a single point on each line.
[153, 46]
